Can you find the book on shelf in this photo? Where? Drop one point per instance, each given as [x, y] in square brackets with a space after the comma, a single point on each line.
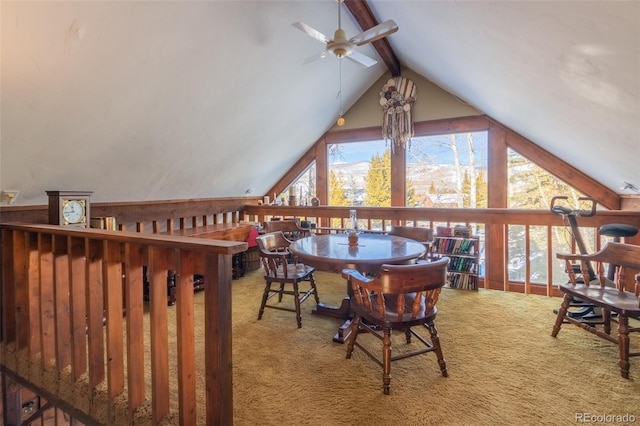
[462, 231]
[454, 245]
[464, 282]
[462, 264]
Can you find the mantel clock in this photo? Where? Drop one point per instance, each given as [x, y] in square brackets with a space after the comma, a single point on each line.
[69, 208]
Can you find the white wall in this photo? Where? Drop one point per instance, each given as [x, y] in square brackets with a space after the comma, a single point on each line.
[432, 103]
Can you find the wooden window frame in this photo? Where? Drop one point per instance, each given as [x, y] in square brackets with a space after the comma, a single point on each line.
[499, 139]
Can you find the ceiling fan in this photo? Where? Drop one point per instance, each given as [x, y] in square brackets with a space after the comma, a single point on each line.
[343, 48]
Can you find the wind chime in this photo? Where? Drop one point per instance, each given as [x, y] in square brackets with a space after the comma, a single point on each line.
[397, 98]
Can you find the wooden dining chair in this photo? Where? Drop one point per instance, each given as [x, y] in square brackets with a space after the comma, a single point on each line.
[418, 233]
[281, 267]
[399, 297]
[290, 228]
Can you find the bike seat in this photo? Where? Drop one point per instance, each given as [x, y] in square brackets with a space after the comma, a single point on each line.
[618, 230]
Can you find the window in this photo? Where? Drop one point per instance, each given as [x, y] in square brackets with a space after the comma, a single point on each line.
[447, 171]
[441, 171]
[359, 174]
[531, 187]
[304, 187]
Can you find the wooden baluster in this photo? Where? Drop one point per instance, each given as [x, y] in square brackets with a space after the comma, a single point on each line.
[584, 269]
[568, 266]
[601, 274]
[159, 333]
[33, 276]
[620, 277]
[78, 307]
[62, 310]
[112, 270]
[95, 311]
[133, 261]
[366, 299]
[186, 338]
[400, 304]
[381, 303]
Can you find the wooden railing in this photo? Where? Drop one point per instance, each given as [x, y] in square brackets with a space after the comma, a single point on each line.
[64, 292]
[493, 224]
[74, 325]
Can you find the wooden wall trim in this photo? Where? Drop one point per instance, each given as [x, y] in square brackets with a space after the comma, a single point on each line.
[398, 178]
[322, 179]
[497, 173]
[474, 123]
[496, 198]
[133, 211]
[630, 202]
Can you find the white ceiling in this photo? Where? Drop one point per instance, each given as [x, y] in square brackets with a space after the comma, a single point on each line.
[159, 100]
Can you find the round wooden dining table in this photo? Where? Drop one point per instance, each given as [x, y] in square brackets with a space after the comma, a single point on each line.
[332, 252]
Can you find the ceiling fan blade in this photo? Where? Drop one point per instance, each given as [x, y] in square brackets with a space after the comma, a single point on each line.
[320, 55]
[375, 33]
[311, 31]
[362, 59]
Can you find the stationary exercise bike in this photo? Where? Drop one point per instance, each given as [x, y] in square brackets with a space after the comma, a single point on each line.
[616, 230]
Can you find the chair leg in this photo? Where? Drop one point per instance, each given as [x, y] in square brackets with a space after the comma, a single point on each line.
[606, 320]
[435, 341]
[623, 344]
[265, 296]
[296, 295]
[407, 334]
[386, 360]
[312, 281]
[354, 326]
[562, 312]
[281, 292]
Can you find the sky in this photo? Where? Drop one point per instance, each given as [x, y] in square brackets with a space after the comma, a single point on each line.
[433, 149]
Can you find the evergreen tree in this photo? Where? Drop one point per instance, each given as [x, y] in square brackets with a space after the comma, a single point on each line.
[466, 191]
[473, 202]
[378, 181]
[411, 200]
[337, 193]
[481, 191]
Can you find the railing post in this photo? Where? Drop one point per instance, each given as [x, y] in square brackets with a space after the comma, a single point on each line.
[11, 401]
[218, 340]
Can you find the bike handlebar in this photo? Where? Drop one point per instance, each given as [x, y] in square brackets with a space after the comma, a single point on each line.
[565, 211]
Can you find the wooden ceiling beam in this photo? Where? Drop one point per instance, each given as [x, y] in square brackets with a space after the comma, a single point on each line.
[363, 16]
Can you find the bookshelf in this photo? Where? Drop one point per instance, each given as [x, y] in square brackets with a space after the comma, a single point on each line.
[464, 254]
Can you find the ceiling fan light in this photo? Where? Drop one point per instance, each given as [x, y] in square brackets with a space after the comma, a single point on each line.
[340, 52]
[340, 122]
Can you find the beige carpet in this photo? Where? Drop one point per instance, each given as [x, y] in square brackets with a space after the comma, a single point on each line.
[504, 367]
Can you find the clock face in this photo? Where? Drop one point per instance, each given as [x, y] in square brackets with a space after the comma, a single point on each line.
[73, 211]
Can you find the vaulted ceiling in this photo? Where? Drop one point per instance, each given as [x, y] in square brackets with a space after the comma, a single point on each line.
[159, 100]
